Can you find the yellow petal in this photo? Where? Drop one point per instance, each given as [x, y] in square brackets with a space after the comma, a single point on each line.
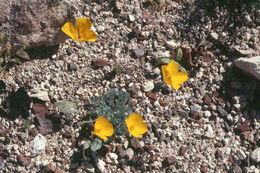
[172, 68]
[138, 129]
[175, 86]
[84, 23]
[88, 36]
[69, 29]
[180, 77]
[103, 128]
[166, 76]
[135, 125]
[133, 119]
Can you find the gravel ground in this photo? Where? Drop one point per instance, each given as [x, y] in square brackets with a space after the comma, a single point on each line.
[211, 124]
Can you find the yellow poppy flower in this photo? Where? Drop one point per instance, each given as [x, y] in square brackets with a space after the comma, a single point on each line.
[135, 125]
[172, 77]
[82, 32]
[103, 128]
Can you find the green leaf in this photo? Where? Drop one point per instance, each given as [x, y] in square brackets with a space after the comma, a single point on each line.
[1, 60]
[67, 107]
[85, 147]
[183, 69]
[165, 60]
[179, 54]
[22, 54]
[96, 145]
[26, 124]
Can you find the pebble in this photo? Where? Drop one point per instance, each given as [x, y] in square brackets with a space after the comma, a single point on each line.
[139, 52]
[89, 167]
[207, 114]
[214, 36]
[101, 165]
[40, 94]
[2, 163]
[171, 44]
[222, 111]
[209, 131]
[72, 67]
[112, 156]
[125, 145]
[130, 153]
[25, 161]
[193, 109]
[148, 86]
[161, 54]
[255, 155]
[38, 144]
[131, 18]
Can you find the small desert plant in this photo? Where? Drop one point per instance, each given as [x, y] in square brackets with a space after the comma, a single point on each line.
[112, 110]
[115, 106]
[9, 57]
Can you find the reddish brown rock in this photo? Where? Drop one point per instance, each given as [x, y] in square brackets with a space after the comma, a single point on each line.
[244, 126]
[27, 24]
[25, 161]
[152, 97]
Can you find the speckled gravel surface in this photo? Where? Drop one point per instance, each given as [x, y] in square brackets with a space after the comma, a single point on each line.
[210, 125]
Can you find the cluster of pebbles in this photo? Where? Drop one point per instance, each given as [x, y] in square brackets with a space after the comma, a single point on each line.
[208, 125]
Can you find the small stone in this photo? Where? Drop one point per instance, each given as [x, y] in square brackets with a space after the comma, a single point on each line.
[148, 86]
[25, 161]
[193, 109]
[237, 169]
[125, 145]
[244, 126]
[135, 143]
[183, 150]
[72, 67]
[203, 169]
[2, 163]
[247, 19]
[214, 36]
[139, 52]
[168, 161]
[100, 28]
[118, 5]
[222, 111]
[69, 51]
[207, 114]
[38, 144]
[161, 54]
[89, 167]
[130, 153]
[50, 167]
[112, 156]
[255, 155]
[249, 65]
[197, 132]
[40, 94]
[171, 44]
[131, 18]
[207, 100]
[209, 132]
[101, 165]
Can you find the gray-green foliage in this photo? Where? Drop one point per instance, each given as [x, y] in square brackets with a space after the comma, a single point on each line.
[93, 146]
[115, 106]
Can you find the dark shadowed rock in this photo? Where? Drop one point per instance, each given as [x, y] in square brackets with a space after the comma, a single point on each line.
[27, 24]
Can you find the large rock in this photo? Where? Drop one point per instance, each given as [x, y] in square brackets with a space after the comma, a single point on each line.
[249, 65]
[30, 23]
